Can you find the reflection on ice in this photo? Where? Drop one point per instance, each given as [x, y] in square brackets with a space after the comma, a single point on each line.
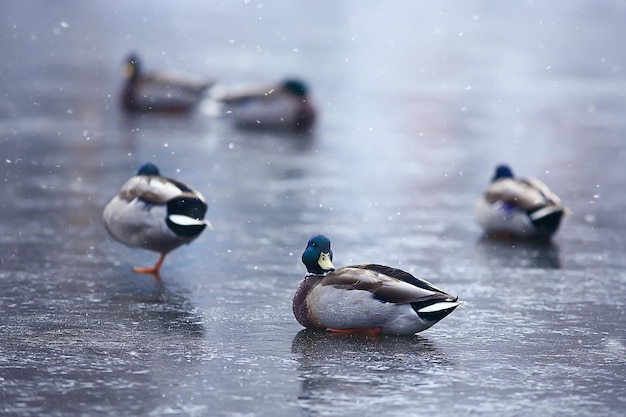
[318, 346]
[365, 373]
[519, 253]
[160, 309]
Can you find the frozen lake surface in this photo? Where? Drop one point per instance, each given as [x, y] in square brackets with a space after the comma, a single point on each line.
[417, 104]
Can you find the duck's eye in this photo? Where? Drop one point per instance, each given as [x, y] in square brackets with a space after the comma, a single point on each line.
[314, 244]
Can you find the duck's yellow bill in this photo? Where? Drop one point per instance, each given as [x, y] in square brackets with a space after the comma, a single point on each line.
[128, 70]
[324, 262]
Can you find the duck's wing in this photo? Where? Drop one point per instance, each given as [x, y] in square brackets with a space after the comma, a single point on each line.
[154, 189]
[237, 93]
[156, 96]
[540, 187]
[177, 80]
[385, 283]
[516, 193]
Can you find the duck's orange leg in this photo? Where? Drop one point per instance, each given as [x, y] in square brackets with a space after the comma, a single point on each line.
[366, 332]
[154, 270]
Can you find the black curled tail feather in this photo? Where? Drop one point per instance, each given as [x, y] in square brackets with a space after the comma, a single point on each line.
[189, 206]
[548, 223]
[433, 316]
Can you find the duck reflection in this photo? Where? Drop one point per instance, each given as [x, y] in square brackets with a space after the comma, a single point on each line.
[517, 253]
[281, 142]
[161, 309]
[336, 368]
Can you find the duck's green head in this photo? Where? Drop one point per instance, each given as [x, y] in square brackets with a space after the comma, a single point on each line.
[318, 257]
[502, 171]
[295, 87]
[148, 169]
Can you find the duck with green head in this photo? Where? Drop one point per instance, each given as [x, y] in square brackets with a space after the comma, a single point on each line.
[366, 298]
[283, 106]
[155, 213]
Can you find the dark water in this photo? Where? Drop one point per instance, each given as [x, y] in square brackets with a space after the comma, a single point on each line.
[417, 104]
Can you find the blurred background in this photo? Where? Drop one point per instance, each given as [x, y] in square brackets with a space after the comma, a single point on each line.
[416, 105]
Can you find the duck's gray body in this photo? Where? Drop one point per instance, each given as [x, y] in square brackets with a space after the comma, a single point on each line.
[365, 297]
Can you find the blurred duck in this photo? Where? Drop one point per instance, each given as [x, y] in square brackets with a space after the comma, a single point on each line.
[283, 106]
[157, 92]
[155, 213]
[518, 207]
[368, 299]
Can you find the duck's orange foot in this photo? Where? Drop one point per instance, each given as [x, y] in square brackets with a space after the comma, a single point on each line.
[152, 270]
[364, 332]
[148, 271]
[145, 270]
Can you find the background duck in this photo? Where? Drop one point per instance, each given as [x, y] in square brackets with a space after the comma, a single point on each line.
[159, 92]
[283, 106]
[523, 207]
[367, 299]
[155, 213]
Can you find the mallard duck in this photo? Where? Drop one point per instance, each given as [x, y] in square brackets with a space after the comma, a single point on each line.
[365, 298]
[156, 92]
[519, 207]
[283, 106]
[155, 213]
